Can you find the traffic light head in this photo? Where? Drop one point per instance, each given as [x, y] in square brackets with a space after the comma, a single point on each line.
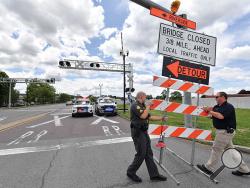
[175, 6]
[61, 63]
[68, 64]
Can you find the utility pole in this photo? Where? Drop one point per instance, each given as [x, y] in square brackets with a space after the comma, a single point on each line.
[9, 106]
[100, 85]
[124, 55]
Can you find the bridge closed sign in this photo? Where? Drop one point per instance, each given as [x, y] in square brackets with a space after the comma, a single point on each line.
[187, 45]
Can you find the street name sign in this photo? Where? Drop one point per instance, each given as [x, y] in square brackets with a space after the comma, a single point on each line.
[173, 18]
[187, 45]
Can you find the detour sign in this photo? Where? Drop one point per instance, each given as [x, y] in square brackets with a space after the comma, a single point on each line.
[185, 71]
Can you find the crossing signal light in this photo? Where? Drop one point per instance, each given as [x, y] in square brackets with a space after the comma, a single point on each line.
[64, 63]
[97, 65]
[130, 90]
[175, 6]
[51, 81]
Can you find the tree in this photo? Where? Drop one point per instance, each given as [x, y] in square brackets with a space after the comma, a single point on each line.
[175, 96]
[4, 89]
[64, 97]
[163, 94]
[92, 98]
[41, 93]
[149, 97]
[243, 91]
[14, 96]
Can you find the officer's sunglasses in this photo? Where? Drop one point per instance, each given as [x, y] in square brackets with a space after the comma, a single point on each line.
[217, 97]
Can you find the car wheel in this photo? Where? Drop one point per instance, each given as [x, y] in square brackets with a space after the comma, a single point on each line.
[91, 114]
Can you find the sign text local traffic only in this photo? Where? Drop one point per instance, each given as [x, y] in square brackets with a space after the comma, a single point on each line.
[185, 71]
[187, 45]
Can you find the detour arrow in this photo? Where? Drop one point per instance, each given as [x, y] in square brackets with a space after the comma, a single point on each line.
[185, 71]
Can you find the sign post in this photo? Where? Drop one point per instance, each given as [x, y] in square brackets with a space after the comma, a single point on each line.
[187, 45]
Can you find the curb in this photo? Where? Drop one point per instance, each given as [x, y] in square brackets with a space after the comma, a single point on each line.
[10, 125]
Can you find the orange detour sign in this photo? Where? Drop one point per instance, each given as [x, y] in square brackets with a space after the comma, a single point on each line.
[173, 18]
[185, 71]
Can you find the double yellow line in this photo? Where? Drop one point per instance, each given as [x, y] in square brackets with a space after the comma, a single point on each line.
[17, 123]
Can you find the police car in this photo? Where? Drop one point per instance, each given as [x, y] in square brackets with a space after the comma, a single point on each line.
[105, 106]
[82, 107]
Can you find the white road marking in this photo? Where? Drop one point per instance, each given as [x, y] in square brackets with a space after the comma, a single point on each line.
[14, 151]
[21, 138]
[38, 136]
[102, 118]
[44, 123]
[58, 114]
[117, 130]
[3, 118]
[106, 131]
[58, 122]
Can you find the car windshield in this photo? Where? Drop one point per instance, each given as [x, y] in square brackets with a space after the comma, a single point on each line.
[106, 101]
[81, 102]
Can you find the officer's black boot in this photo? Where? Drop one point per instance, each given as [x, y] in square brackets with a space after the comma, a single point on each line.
[134, 177]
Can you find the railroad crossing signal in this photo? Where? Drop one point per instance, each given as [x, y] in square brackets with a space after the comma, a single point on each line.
[93, 65]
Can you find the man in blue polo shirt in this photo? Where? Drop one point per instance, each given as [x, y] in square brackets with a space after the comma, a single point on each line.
[224, 120]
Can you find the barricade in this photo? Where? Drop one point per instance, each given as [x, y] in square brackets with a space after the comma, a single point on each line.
[172, 131]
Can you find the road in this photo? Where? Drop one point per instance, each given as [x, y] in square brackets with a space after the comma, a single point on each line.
[57, 150]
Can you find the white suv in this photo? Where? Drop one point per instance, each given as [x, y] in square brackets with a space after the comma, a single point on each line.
[82, 107]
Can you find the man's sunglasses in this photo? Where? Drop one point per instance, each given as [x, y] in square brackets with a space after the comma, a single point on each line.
[217, 97]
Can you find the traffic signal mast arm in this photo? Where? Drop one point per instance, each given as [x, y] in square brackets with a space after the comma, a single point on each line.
[27, 80]
[149, 4]
[92, 65]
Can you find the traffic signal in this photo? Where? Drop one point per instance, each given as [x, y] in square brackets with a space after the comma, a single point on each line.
[64, 63]
[51, 81]
[175, 6]
[130, 90]
[97, 65]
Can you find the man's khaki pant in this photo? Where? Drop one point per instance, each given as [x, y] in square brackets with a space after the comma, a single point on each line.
[223, 140]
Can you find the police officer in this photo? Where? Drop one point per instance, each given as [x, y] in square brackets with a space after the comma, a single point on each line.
[139, 115]
[224, 120]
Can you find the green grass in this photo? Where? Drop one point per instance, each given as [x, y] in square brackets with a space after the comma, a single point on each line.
[243, 123]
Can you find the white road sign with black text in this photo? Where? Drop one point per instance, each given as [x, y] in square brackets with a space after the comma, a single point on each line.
[187, 45]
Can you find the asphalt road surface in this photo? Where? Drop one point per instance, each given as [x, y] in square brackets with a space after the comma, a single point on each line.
[88, 152]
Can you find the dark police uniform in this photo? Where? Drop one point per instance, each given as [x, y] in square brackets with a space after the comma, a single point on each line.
[229, 121]
[141, 140]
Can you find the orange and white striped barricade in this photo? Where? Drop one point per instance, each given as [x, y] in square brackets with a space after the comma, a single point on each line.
[163, 105]
[171, 83]
[182, 132]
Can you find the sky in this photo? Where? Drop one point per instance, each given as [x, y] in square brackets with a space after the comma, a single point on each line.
[35, 35]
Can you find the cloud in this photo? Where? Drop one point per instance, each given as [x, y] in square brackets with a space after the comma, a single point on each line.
[27, 27]
[66, 26]
[107, 32]
[140, 32]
